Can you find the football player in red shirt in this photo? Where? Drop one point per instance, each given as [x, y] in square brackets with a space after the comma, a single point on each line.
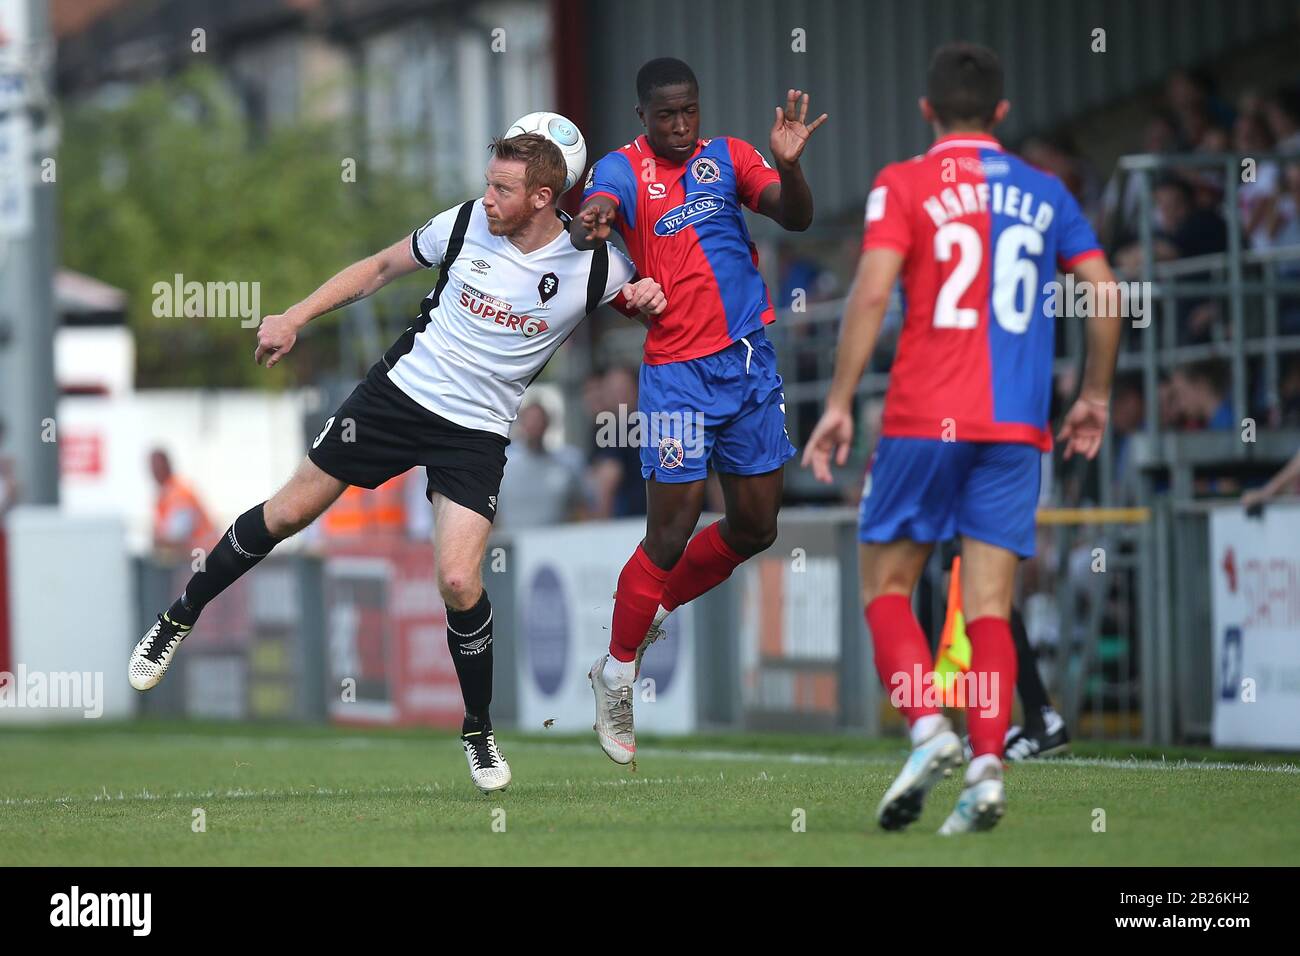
[977, 236]
[709, 388]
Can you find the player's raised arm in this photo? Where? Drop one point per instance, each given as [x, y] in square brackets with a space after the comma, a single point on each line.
[864, 311]
[790, 201]
[278, 333]
[592, 225]
[1085, 424]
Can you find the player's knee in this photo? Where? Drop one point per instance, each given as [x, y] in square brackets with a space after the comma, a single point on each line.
[284, 519]
[664, 546]
[987, 603]
[755, 538]
[878, 585]
[871, 593]
[459, 584]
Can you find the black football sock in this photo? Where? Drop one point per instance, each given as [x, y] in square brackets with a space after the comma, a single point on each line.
[1033, 695]
[469, 638]
[473, 725]
[245, 543]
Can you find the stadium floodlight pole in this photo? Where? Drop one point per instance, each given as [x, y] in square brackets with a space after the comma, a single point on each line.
[27, 319]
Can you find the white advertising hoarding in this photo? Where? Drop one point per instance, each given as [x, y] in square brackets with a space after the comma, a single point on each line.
[234, 447]
[566, 578]
[1255, 570]
[72, 618]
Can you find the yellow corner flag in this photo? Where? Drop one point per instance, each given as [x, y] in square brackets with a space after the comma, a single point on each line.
[953, 657]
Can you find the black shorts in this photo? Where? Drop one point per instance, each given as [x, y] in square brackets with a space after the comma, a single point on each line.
[380, 432]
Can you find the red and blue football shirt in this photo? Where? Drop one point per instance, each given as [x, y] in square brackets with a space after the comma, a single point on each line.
[684, 227]
[982, 234]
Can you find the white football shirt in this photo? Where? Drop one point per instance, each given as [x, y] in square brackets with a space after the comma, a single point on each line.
[500, 316]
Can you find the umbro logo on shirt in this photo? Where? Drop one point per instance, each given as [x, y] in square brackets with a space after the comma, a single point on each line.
[480, 267]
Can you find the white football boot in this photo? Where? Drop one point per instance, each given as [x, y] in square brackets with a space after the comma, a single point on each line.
[981, 804]
[930, 761]
[153, 654]
[613, 724]
[487, 765]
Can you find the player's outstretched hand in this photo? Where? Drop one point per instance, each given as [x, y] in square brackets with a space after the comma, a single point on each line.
[832, 436]
[789, 134]
[1083, 428]
[646, 296]
[275, 337]
[596, 221]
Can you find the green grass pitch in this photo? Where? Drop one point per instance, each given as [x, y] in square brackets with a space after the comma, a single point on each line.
[126, 794]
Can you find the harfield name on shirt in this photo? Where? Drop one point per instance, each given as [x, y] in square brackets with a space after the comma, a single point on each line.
[967, 199]
[697, 208]
[486, 307]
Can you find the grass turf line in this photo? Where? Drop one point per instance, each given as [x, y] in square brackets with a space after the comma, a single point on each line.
[115, 794]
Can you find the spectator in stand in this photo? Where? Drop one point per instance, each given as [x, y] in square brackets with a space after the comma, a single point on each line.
[1127, 417]
[1279, 226]
[541, 487]
[1120, 201]
[1251, 136]
[802, 281]
[1191, 97]
[1280, 217]
[1207, 182]
[1197, 128]
[1250, 101]
[1282, 110]
[1289, 395]
[1181, 229]
[1200, 395]
[802, 277]
[1059, 156]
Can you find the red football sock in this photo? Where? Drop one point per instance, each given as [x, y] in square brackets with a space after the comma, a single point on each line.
[992, 657]
[901, 649]
[640, 589]
[706, 563]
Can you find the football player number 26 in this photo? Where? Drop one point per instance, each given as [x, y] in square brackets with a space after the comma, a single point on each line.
[1015, 278]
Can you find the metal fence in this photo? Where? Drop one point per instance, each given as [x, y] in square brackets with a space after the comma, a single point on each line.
[1251, 285]
[1117, 606]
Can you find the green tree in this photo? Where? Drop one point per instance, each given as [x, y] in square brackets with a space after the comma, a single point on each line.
[172, 180]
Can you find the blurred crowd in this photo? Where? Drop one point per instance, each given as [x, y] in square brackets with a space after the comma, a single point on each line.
[1189, 220]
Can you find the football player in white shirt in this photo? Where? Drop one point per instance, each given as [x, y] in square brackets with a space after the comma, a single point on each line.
[511, 288]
